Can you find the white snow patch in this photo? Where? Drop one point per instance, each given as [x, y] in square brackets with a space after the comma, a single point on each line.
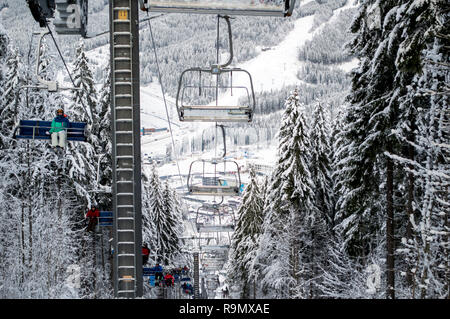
[348, 66]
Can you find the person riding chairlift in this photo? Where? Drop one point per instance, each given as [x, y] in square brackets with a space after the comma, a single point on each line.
[145, 254]
[93, 214]
[58, 131]
[169, 280]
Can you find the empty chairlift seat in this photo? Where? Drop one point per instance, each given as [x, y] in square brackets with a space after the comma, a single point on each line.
[275, 8]
[106, 219]
[214, 178]
[32, 129]
[215, 95]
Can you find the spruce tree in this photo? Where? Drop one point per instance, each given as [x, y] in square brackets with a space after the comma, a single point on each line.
[322, 215]
[246, 235]
[148, 227]
[382, 128]
[422, 69]
[104, 147]
[320, 166]
[173, 224]
[372, 114]
[165, 243]
[288, 209]
[10, 95]
[85, 104]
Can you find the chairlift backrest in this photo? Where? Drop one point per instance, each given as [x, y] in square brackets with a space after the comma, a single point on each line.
[39, 130]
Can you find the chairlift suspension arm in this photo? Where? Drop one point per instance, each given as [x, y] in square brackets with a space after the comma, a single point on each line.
[230, 59]
[230, 41]
[46, 83]
[224, 139]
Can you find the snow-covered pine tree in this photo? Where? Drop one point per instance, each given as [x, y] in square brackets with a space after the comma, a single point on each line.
[338, 165]
[104, 147]
[157, 211]
[423, 73]
[172, 225]
[82, 157]
[9, 230]
[164, 243]
[148, 227]
[14, 185]
[288, 209]
[322, 214]
[383, 127]
[320, 166]
[370, 176]
[85, 103]
[184, 257]
[10, 96]
[245, 237]
[102, 191]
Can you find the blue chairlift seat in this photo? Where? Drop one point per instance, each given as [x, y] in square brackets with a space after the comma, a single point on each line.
[105, 219]
[32, 129]
[148, 271]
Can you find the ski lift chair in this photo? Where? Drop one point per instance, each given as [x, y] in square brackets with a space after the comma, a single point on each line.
[209, 215]
[193, 92]
[39, 130]
[105, 219]
[213, 182]
[271, 8]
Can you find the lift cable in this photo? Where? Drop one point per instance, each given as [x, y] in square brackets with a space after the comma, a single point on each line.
[165, 102]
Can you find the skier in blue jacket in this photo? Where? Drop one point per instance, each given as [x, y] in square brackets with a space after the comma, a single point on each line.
[60, 124]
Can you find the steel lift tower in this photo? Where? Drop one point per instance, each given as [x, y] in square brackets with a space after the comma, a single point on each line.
[125, 112]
